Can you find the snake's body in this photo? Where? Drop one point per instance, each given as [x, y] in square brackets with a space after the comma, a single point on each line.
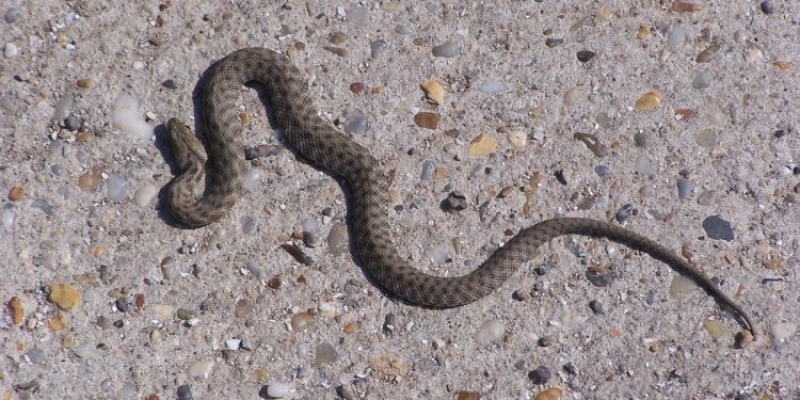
[315, 139]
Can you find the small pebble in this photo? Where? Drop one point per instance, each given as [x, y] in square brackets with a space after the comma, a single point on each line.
[517, 138]
[482, 145]
[16, 192]
[426, 120]
[685, 188]
[345, 392]
[184, 392]
[10, 50]
[550, 394]
[126, 116]
[448, 50]
[644, 166]
[553, 42]
[233, 344]
[62, 108]
[707, 54]
[145, 195]
[12, 15]
[707, 198]
[325, 354]
[358, 15]
[521, 295]
[490, 332]
[278, 390]
[540, 375]
[585, 56]
[357, 87]
[648, 102]
[117, 188]
[339, 51]
[356, 122]
[437, 255]
[681, 286]
[702, 81]
[718, 228]
[35, 356]
[597, 307]
[170, 84]
[7, 218]
[389, 365]
[427, 171]
[491, 86]
[337, 38]
[676, 37]
[72, 123]
[767, 7]
[455, 201]
[601, 278]
[376, 48]
[251, 178]
[338, 240]
[545, 341]
[574, 94]
[783, 330]
[624, 213]
[682, 6]
[641, 139]
[707, 138]
[64, 296]
[602, 171]
[122, 303]
[126, 391]
[433, 91]
[184, 314]
[200, 369]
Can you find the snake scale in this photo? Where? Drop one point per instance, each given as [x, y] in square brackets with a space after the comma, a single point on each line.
[315, 139]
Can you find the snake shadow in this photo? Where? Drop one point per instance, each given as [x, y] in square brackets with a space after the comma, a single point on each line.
[162, 143]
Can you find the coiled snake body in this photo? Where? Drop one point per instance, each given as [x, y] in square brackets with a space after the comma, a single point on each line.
[333, 151]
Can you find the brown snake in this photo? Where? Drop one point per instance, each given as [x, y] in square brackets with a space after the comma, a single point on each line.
[315, 139]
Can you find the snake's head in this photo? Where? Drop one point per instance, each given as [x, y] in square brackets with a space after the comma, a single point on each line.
[186, 148]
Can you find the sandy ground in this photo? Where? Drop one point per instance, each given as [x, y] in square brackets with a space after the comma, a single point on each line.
[105, 298]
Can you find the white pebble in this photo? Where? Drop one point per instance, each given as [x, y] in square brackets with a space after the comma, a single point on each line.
[127, 117]
[126, 391]
[10, 50]
[327, 310]
[233, 344]
[783, 330]
[676, 37]
[117, 188]
[310, 225]
[200, 369]
[144, 195]
[490, 332]
[151, 8]
[87, 351]
[644, 166]
[138, 65]
[63, 108]
[8, 218]
[278, 390]
[250, 179]
[491, 87]
[437, 255]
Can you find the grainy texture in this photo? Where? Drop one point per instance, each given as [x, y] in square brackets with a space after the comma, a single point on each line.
[314, 138]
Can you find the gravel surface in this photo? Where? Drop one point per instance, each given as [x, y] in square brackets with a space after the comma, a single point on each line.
[676, 119]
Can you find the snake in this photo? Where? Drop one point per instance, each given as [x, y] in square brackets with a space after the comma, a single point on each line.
[218, 163]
